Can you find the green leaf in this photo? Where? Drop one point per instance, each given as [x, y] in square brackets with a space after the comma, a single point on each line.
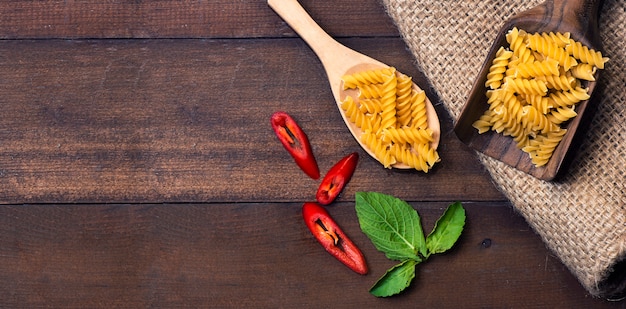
[392, 225]
[395, 280]
[447, 229]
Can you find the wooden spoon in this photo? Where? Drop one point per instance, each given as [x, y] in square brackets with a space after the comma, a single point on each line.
[580, 19]
[339, 60]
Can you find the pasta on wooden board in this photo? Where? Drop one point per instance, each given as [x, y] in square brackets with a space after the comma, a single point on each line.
[541, 85]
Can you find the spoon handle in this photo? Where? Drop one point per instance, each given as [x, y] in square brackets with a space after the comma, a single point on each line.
[301, 22]
[335, 57]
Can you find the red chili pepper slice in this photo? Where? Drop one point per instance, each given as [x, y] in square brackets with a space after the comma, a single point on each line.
[336, 179]
[296, 142]
[332, 238]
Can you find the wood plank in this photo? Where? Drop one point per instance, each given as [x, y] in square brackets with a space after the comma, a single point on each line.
[188, 121]
[180, 19]
[178, 118]
[262, 256]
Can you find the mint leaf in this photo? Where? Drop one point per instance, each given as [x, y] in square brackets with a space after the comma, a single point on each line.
[392, 225]
[447, 229]
[395, 280]
[394, 228]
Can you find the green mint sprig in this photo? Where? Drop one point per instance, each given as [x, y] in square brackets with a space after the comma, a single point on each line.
[395, 229]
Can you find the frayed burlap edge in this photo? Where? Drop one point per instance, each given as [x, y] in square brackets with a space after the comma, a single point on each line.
[582, 217]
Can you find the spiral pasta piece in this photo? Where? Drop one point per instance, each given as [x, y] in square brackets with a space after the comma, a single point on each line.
[409, 158]
[585, 54]
[511, 69]
[535, 121]
[388, 101]
[380, 150]
[404, 90]
[511, 103]
[568, 98]
[560, 39]
[525, 86]
[419, 117]
[508, 124]
[354, 114]
[376, 123]
[561, 114]
[541, 103]
[428, 153]
[517, 42]
[495, 98]
[505, 122]
[371, 91]
[551, 50]
[584, 71]
[548, 67]
[484, 123]
[498, 68]
[370, 106]
[408, 135]
[520, 137]
[560, 82]
[358, 79]
[541, 148]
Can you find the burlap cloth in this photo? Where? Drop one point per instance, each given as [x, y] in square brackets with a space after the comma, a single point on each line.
[582, 216]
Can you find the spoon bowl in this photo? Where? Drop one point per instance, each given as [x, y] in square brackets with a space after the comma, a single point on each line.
[339, 60]
[579, 18]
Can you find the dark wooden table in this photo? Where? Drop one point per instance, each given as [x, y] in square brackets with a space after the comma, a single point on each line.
[138, 167]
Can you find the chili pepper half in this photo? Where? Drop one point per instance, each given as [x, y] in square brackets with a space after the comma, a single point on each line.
[296, 142]
[336, 178]
[332, 238]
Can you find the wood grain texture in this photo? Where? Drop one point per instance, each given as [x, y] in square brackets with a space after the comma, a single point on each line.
[138, 167]
[225, 256]
[179, 19]
[186, 121]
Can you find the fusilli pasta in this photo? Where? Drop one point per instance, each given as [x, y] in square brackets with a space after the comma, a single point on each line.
[498, 68]
[391, 112]
[584, 71]
[551, 50]
[546, 67]
[353, 81]
[533, 93]
[585, 54]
